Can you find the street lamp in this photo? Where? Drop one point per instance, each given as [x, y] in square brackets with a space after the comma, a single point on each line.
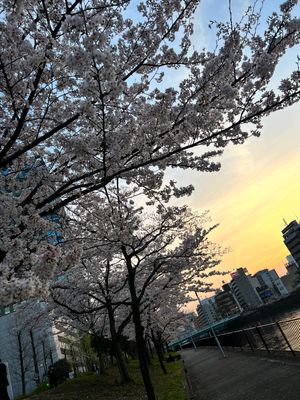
[212, 329]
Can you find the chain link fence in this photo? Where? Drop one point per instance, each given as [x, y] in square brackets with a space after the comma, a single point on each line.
[276, 337]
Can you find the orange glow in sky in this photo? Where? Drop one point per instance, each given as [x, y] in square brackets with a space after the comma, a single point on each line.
[251, 216]
[258, 186]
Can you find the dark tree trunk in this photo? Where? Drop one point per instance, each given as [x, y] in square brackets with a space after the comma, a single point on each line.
[2, 255]
[124, 374]
[139, 330]
[150, 348]
[44, 358]
[147, 353]
[21, 361]
[51, 357]
[101, 363]
[149, 358]
[142, 352]
[35, 362]
[121, 362]
[159, 352]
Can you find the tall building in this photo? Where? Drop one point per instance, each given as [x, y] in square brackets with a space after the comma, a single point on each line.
[226, 302]
[270, 279]
[207, 312]
[244, 291]
[292, 278]
[291, 238]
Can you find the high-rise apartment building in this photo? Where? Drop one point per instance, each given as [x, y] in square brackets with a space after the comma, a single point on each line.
[291, 238]
[270, 279]
[244, 291]
[292, 278]
[207, 312]
[226, 302]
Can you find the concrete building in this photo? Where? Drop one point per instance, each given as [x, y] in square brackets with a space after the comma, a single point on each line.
[266, 294]
[292, 278]
[27, 347]
[226, 302]
[291, 238]
[187, 325]
[207, 312]
[243, 289]
[270, 279]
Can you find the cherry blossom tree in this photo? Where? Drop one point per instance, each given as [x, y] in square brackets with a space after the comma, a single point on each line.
[164, 316]
[83, 101]
[135, 257]
[98, 304]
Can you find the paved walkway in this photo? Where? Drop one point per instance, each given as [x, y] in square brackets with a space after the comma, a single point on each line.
[240, 377]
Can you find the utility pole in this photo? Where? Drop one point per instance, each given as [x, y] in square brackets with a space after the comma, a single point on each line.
[212, 330]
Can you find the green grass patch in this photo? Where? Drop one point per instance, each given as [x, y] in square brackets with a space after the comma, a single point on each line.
[107, 386]
[40, 389]
[170, 386]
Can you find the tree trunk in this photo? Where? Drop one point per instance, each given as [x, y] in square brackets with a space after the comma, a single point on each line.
[51, 357]
[150, 348]
[121, 362]
[139, 330]
[149, 360]
[159, 352]
[147, 355]
[142, 352]
[101, 363]
[44, 358]
[35, 362]
[124, 374]
[21, 361]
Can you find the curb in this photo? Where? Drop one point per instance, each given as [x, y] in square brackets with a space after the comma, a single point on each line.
[187, 383]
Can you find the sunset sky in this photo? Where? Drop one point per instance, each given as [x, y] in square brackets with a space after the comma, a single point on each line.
[258, 184]
[256, 188]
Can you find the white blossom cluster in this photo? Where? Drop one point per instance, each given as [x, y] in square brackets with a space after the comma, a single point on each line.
[84, 102]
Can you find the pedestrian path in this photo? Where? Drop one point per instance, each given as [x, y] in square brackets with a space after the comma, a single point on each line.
[240, 376]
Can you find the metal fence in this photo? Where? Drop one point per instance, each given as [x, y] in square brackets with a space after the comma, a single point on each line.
[281, 336]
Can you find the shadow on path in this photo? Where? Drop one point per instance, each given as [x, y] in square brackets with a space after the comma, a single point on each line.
[240, 377]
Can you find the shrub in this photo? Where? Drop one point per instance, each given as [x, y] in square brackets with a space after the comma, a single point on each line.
[61, 370]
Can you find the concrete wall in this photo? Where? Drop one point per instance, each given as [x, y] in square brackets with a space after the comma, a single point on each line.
[15, 337]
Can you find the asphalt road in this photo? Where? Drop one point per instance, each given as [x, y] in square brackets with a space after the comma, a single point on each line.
[240, 377]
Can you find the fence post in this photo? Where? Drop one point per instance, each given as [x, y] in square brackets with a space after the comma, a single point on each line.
[262, 339]
[194, 344]
[285, 338]
[239, 341]
[248, 340]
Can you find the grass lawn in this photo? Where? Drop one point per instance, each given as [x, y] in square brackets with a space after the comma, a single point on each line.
[106, 387]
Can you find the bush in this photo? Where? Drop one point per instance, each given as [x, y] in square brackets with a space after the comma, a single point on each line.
[61, 370]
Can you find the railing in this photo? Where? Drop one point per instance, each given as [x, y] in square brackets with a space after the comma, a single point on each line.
[281, 336]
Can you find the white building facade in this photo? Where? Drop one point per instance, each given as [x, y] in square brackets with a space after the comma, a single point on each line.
[207, 312]
[271, 279]
[28, 348]
[242, 287]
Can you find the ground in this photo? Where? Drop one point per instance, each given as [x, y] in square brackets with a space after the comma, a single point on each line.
[106, 387]
[241, 376]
